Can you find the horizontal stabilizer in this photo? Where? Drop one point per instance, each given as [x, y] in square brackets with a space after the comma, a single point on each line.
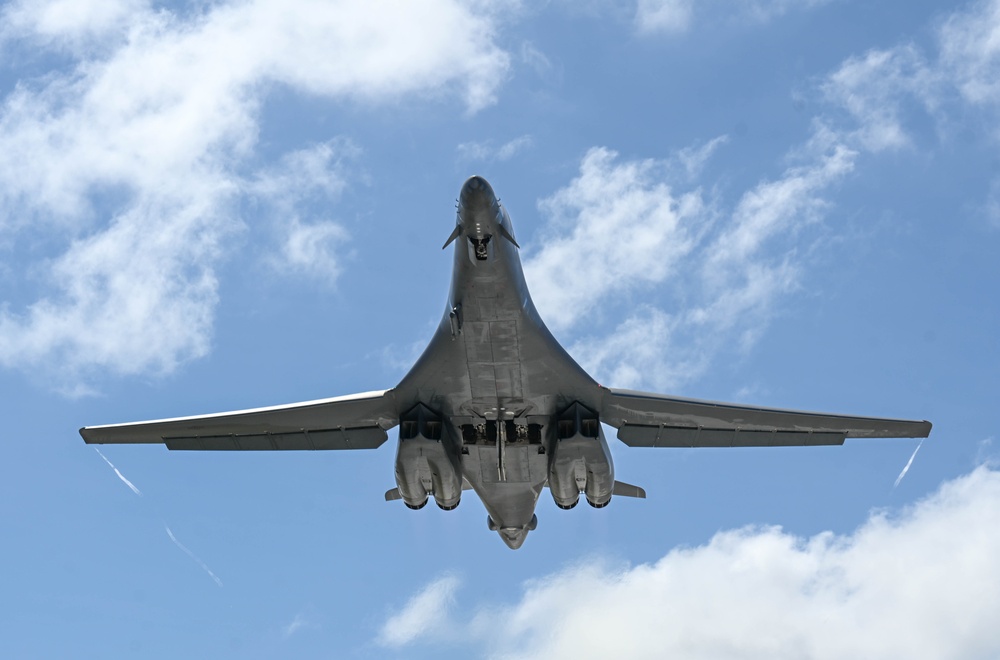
[623, 489]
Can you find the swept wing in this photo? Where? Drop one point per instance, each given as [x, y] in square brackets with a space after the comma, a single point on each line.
[645, 419]
[355, 421]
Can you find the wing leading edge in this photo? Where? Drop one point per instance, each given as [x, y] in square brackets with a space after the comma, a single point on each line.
[645, 419]
[355, 421]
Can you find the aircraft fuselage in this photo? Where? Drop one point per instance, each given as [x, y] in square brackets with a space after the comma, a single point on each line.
[497, 381]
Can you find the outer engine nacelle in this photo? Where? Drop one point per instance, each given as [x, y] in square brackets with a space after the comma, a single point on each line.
[579, 460]
[425, 463]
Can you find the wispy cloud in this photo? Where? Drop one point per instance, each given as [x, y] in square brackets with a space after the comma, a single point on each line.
[120, 475]
[920, 583]
[487, 151]
[315, 176]
[663, 15]
[132, 161]
[881, 89]
[677, 16]
[627, 226]
[633, 226]
[425, 615]
[193, 557]
[295, 625]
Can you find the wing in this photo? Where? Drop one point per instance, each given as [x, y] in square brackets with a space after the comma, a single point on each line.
[356, 421]
[656, 420]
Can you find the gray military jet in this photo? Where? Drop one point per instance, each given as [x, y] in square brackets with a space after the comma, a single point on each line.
[497, 406]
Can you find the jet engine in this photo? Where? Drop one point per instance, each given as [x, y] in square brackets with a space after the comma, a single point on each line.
[579, 460]
[425, 461]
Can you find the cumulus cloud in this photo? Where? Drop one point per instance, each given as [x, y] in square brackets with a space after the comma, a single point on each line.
[919, 583]
[615, 226]
[129, 165]
[69, 24]
[422, 616]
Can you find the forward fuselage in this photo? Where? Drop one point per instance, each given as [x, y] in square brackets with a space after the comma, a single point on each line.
[495, 378]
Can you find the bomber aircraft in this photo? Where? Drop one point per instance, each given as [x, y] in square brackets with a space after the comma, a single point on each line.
[494, 404]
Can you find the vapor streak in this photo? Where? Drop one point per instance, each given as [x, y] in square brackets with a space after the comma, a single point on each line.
[120, 475]
[192, 555]
[908, 464]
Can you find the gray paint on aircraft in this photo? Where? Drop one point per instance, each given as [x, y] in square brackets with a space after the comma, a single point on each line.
[496, 405]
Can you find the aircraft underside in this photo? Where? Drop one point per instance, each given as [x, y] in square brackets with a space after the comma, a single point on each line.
[496, 405]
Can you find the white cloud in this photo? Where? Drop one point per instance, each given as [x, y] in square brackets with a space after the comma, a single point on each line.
[621, 227]
[295, 625]
[663, 15]
[872, 88]
[130, 162]
[624, 226]
[615, 226]
[922, 583]
[135, 298]
[70, 24]
[970, 51]
[316, 174]
[535, 58]
[421, 617]
[965, 70]
[766, 10]
[772, 207]
[992, 205]
[693, 159]
[643, 349]
[313, 248]
[955, 85]
[677, 16]
[486, 151]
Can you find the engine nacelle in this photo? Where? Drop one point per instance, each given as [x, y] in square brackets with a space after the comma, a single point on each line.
[579, 460]
[425, 461]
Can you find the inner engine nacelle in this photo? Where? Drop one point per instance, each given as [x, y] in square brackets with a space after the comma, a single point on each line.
[579, 460]
[426, 463]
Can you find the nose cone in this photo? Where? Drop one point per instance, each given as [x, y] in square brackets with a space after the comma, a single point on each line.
[513, 536]
[476, 192]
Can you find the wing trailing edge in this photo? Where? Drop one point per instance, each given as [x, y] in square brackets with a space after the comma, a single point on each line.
[645, 419]
[355, 421]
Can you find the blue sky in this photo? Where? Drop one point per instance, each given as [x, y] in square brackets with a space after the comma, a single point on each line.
[213, 206]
